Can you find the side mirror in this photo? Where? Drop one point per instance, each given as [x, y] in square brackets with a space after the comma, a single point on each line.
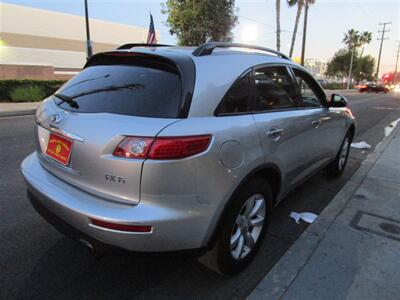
[338, 101]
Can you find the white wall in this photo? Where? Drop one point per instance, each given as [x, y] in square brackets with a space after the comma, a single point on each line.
[43, 57]
[30, 21]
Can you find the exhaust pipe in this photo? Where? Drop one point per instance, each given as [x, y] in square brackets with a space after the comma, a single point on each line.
[91, 248]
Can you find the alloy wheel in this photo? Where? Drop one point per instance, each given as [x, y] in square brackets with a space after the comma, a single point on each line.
[344, 153]
[248, 226]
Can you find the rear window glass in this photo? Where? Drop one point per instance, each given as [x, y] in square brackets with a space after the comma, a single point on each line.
[124, 89]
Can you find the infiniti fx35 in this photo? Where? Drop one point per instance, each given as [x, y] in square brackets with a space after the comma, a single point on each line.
[162, 148]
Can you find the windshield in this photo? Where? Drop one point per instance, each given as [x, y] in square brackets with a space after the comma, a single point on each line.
[123, 89]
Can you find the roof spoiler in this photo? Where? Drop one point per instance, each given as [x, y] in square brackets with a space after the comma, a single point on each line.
[133, 45]
[208, 48]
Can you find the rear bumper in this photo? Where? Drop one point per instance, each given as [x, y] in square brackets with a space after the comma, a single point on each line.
[175, 227]
[67, 229]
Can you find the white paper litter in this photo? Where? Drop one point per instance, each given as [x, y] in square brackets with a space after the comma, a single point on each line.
[389, 129]
[305, 216]
[360, 145]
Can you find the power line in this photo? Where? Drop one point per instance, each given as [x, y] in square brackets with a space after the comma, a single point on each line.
[265, 24]
[382, 38]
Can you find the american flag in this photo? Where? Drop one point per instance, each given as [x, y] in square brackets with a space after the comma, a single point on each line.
[151, 37]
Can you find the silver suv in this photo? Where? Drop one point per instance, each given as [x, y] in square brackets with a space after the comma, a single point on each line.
[160, 148]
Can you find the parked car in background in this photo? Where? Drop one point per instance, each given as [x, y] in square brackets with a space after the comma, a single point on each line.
[323, 82]
[156, 148]
[373, 87]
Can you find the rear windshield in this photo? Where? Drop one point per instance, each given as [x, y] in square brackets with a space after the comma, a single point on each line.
[124, 89]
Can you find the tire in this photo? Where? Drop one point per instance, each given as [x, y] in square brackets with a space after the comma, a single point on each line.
[232, 251]
[336, 168]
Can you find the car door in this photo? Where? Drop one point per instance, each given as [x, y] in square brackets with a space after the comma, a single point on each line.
[327, 124]
[286, 135]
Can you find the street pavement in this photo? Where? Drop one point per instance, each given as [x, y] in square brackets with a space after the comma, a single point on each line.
[15, 109]
[38, 262]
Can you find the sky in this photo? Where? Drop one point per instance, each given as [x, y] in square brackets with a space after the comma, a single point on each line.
[328, 20]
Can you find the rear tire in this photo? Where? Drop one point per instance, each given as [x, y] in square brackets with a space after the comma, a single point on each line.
[336, 168]
[242, 229]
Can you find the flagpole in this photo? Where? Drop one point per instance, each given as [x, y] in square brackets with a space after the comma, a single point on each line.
[89, 50]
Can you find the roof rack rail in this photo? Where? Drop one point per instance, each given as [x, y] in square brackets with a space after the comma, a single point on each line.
[208, 48]
[132, 45]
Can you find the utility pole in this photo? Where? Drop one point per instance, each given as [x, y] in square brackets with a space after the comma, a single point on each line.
[89, 50]
[303, 47]
[397, 62]
[381, 39]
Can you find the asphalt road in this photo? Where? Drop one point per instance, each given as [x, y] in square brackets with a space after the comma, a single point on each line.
[37, 262]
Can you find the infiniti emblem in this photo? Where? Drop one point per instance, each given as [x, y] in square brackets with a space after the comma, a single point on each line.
[56, 118]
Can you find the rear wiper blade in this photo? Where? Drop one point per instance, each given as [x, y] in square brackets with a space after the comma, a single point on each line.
[106, 89]
[69, 100]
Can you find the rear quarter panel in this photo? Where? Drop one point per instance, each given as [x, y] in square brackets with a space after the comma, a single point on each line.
[208, 178]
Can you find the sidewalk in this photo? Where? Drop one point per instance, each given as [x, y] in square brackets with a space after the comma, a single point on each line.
[352, 251]
[16, 109]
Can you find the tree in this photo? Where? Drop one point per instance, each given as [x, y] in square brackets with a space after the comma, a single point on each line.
[365, 38]
[278, 24]
[352, 40]
[300, 5]
[303, 47]
[339, 65]
[197, 21]
[365, 68]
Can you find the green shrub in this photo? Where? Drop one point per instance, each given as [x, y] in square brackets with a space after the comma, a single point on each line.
[48, 87]
[27, 93]
[335, 86]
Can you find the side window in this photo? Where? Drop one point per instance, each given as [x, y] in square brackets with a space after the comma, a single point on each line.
[308, 89]
[274, 89]
[236, 99]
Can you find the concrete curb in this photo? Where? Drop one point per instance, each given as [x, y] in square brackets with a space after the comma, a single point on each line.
[281, 276]
[17, 113]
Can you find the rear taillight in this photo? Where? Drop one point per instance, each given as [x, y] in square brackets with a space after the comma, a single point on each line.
[133, 147]
[162, 147]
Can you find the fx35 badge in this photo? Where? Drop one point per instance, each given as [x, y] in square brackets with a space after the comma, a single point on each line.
[114, 178]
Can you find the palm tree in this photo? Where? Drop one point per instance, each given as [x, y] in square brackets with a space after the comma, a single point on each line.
[352, 40]
[278, 24]
[365, 38]
[303, 47]
[300, 4]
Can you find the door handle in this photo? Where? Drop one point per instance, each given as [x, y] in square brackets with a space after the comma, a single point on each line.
[274, 132]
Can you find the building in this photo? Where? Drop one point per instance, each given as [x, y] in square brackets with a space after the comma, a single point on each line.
[41, 44]
[317, 67]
